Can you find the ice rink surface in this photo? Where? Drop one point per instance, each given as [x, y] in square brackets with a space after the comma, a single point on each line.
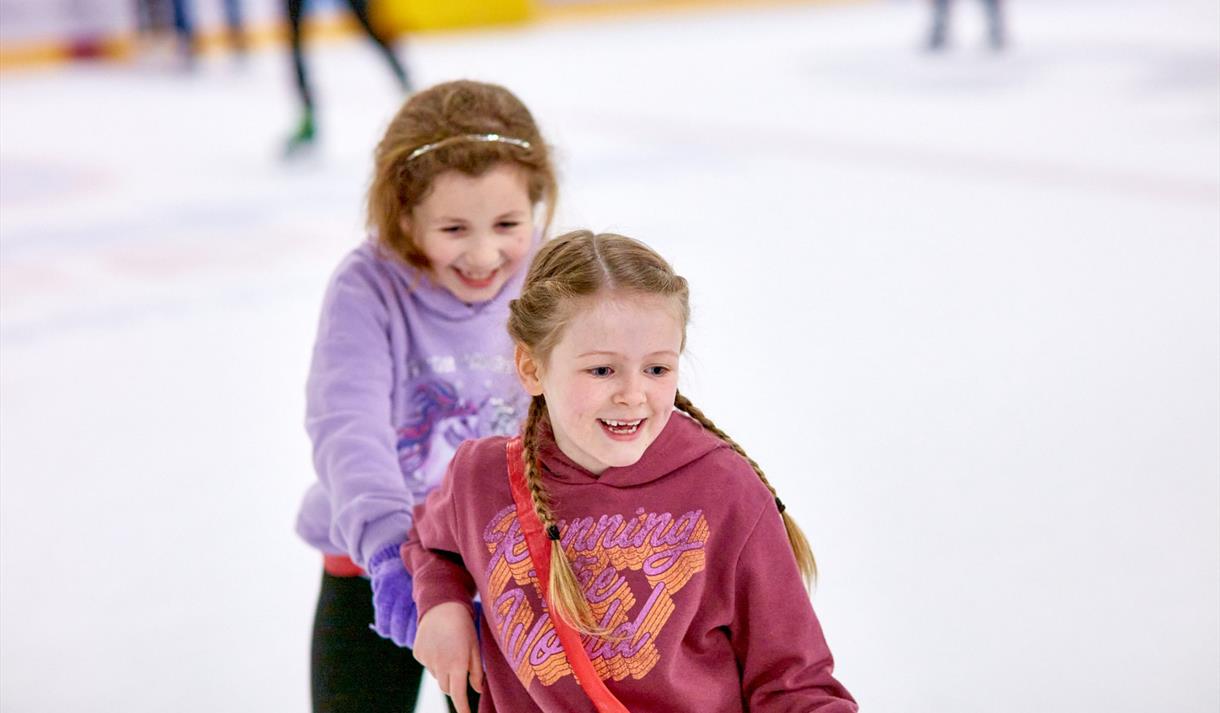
[963, 308]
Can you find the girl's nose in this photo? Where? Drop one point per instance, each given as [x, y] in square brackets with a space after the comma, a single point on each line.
[632, 391]
[483, 254]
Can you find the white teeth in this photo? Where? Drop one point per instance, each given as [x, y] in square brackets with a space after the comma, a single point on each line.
[623, 427]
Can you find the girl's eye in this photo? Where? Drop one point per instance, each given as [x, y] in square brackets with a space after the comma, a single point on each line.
[508, 224]
[451, 229]
[657, 370]
[601, 371]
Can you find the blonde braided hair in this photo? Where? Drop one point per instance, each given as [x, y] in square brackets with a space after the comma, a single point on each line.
[796, 538]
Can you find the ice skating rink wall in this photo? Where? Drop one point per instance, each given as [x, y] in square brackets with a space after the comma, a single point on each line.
[35, 32]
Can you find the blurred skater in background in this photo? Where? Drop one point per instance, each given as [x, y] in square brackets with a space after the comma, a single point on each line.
[938, 36]
[156, 15]
[303, 135]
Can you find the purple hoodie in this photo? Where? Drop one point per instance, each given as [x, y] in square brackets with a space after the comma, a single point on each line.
[402, 373]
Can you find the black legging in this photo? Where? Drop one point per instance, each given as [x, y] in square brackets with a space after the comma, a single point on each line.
[353, 670]
[360, 8]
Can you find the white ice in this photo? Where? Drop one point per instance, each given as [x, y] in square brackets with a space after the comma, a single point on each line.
[964, 309]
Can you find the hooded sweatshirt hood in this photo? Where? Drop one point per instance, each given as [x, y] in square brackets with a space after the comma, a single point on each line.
[435, 299]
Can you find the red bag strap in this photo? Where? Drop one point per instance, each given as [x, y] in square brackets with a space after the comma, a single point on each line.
[540, 554]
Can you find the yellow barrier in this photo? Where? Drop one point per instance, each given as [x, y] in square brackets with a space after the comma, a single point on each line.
[393, 17]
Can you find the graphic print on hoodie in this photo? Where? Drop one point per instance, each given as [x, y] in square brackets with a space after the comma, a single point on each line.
[440, 420]
[665, 549]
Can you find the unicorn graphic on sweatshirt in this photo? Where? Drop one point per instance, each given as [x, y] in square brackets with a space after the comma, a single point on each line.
[439, 418]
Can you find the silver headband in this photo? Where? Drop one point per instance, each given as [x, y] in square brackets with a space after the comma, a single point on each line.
[484, 138]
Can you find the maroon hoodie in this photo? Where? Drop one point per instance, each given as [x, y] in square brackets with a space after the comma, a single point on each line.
[683, 553]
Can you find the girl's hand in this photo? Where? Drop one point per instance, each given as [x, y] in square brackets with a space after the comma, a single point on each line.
[394, 614]
[447, 646]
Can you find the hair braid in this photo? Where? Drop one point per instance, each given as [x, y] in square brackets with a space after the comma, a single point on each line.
[529, 451]
[567, 600]
[796, 538]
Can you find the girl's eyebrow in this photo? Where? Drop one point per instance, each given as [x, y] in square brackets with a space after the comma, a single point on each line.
[455, 219]
[664, 352]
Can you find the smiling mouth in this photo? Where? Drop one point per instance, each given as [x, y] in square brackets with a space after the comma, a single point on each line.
[477, 283]
[621, 428]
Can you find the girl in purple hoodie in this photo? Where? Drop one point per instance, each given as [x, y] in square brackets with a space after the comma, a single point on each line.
[412, 359]
[628, 553]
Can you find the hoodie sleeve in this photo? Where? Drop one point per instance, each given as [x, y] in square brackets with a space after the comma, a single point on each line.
[786, 666]
[348, 416]
[432, 552]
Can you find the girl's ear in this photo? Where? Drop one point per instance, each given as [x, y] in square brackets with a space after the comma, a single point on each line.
[404, 222]
[529, 371]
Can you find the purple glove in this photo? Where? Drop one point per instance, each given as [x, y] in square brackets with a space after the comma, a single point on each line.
[394, 614]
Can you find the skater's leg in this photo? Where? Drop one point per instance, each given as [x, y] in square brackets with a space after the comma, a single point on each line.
[184, 25]
[145, 15]
[940, 24]
[353, 670]
[996, 34]
[360, 8]
[233, 20]
[304, 133]
[296, 8]
[182, 18]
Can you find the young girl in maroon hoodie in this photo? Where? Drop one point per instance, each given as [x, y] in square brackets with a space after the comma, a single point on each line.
[628, 558]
